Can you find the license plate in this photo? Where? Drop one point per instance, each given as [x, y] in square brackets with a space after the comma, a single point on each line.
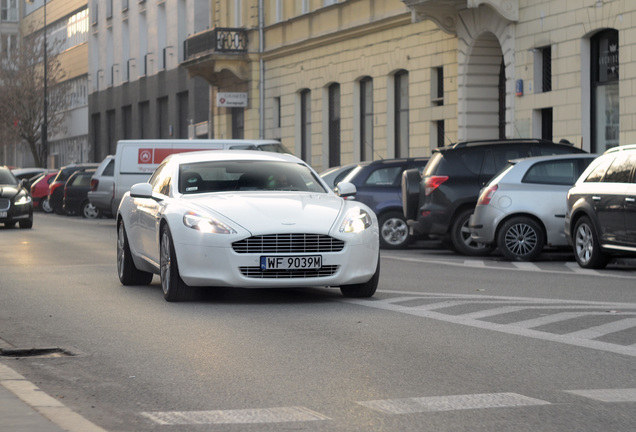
[291, 262]
[3, 214]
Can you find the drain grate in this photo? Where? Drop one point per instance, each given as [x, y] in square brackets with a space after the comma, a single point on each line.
[36, 352]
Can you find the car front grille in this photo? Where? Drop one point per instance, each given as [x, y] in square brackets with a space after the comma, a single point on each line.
[5, 203]
[288, 243]
[257, 273]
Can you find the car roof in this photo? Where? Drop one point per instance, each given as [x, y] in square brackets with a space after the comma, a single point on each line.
[227, 155]
[496, 142]
[533, 159]
[620, 148]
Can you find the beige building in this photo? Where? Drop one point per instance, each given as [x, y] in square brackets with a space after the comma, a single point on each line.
[67, 28]
[349, 80]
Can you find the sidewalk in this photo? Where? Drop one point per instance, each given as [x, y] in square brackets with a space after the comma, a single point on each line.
[26, 408]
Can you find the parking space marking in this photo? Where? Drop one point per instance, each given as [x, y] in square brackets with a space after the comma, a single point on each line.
[237, 416]
[607, 395]
[584, 337]
[452, 403]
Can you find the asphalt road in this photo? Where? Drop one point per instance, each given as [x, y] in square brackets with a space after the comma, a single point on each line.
[447, 344]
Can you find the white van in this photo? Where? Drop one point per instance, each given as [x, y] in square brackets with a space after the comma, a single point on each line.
[136, 160]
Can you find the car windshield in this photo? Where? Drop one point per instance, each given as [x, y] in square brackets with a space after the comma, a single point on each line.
[6, 178]
[274, 147]
[223, 176]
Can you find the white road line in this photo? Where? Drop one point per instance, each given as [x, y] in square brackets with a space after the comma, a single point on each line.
[46, 405]
[604, 329]
[580, 270]
[607, 395]
[238, 416]
[528, 266]
[493, 312]
[503, 328]
[451, 403]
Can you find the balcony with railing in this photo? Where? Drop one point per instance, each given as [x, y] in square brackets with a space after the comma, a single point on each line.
[209, 52]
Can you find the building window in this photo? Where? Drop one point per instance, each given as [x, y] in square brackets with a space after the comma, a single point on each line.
[366, 119]
[305, 125]
[401, 114]
[144, 120]
[441, 133]
[9, 11]
[437, 86]
[238, 123]
[605, 95]
[126, 119]
[546, 124]
[543, 69]
[276, 113]
[163, 122]
[334, 124]
[183, 101]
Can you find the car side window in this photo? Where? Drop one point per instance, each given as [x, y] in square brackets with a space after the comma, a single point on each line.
[109, 171]
[597, 173]
[620, 171]
[386, 176]
[562, 172]
[160, 180]
[497, 158]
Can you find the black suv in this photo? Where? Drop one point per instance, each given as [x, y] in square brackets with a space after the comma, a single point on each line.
[56, 188]
[601, 209]
[440, 204]
[378, 185]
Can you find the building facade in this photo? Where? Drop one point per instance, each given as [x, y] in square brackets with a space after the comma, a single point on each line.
[9, 36]
[66, 26]
[137, 88]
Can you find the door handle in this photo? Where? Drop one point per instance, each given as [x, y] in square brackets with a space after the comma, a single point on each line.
[630, 199]
[596, 198]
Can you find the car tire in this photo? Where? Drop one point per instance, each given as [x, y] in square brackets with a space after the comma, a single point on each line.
[394, 232]
[27, 223]
[461, 239]
[521, 239]
[174, 289]
[89, 211]
[587, 249]
[411, 179]
[126, 270]
[366, 289]
[45, 205]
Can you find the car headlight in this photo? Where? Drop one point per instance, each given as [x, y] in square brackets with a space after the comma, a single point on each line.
[356, 220]
[206, 224]
[22, 199]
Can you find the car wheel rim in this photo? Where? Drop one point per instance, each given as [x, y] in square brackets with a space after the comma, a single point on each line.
[46, 206]
[165, 261]
[395, 231]
[120, 250]
[467, 238]
[90, 211]
[521, 239]
[584, 243]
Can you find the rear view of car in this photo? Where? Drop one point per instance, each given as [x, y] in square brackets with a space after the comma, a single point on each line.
[521, 210]
[56, 189]
[40, 191]
[101, 193]
[76, 195]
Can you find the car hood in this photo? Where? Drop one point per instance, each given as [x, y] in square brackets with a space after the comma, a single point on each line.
[267, 212]
[8, 191]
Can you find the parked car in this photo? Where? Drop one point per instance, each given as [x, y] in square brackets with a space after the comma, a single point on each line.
[27, 173]
[450, 186]
[244, 219]
[16, 205]
[378, 185]
[56, 188]
[601, 209]
[40, 191]
[521, 210]
[334, 175]
[101, 192]
[76, 195]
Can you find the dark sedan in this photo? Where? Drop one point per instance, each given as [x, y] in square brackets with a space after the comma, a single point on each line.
[16, 205]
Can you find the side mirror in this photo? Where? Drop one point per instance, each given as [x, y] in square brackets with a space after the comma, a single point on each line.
[346, 190]
[141, 190]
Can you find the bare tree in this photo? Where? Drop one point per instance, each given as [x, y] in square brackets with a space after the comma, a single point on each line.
[22, 86]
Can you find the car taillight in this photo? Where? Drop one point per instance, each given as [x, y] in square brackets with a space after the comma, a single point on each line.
[486, 195]
[54, 186]
[431, 183]
[94, 183]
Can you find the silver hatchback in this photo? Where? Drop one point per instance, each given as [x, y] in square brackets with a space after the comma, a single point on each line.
[522, 209]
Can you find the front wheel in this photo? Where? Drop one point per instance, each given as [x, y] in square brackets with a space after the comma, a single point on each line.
[126, 270]
[587, 249]
[174, 289]
[521, 239]
[394, 232]
[27, 223]
[461, 239]
[366, 289]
